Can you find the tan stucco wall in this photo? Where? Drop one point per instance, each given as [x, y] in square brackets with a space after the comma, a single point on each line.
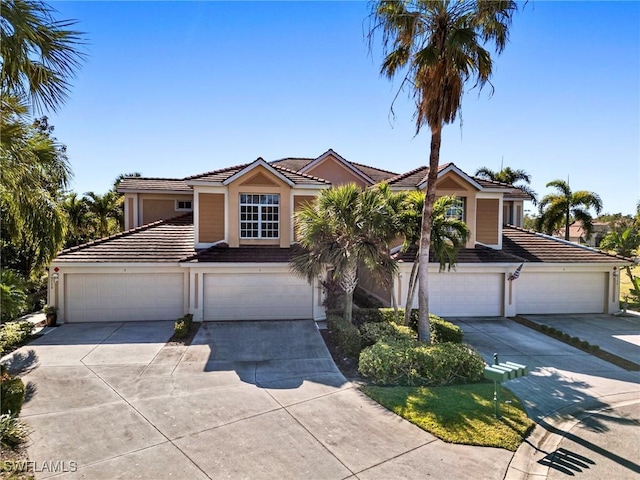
[129, 208]
[298, 202]
[246, 184]
[487, 217]
[154, 207]
[452, 184]
[210, 217]
[334, 171]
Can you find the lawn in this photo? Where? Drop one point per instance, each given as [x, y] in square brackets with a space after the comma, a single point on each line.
[625, 283]
[459, 413]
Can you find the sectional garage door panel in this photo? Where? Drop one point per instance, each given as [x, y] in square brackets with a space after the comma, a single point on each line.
[561, 292]
[251, 296]
[466, 294]
[123, 297]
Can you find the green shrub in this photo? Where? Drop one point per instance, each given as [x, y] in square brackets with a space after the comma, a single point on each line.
[442, 331]
[398, 362]
[181, 328]
[12, 431]
[12, 393]
[347, 335]
[384, 331]
[13, 334]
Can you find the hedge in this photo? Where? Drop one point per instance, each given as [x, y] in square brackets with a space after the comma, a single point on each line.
[397, 362]
[12, 392]
[347, 335]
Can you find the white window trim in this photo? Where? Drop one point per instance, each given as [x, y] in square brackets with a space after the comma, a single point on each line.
[278, 222]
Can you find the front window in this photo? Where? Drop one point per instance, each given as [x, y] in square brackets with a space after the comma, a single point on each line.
[456, 211]
[183, 205]
[259, 216]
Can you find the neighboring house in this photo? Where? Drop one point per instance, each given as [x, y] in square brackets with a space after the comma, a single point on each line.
[217, 245]
[578, 235]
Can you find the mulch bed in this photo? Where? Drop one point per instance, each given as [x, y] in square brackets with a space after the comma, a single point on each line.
[602, 354]
[13, 459]
[175, 341]
[347, 365]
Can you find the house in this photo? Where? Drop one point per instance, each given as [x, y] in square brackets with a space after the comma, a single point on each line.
[217, 245]
[577, 233]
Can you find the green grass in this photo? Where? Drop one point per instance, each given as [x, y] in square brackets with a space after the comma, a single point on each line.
[459, 413]
[625, 283]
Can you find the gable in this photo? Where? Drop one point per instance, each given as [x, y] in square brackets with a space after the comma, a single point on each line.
[333, 170]
[258, 176]
[452, 181]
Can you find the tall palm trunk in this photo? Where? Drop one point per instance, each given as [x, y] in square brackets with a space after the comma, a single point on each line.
[348, 283]
[408, 306]
[567, 220]
[425, 237]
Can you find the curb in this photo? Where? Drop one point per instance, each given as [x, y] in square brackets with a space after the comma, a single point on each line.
[551, 430]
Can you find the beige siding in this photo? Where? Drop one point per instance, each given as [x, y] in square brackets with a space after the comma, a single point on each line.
[246, 184]
[487, 221]
[157, 209]
[298, 202]
[451, 184]
[334, 171]
[211, 217]
[130, 224]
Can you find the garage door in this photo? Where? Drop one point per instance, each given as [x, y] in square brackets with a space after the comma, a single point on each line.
[252, 296]
[466, 294]
[123, 297]
[561, 292]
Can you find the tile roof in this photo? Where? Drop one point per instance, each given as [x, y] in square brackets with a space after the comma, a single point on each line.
[296, 164]
[225, 173]
[221, 253]
[154, 184]
[163, 241]
[536, 247]
[479, 254]
[414, 177]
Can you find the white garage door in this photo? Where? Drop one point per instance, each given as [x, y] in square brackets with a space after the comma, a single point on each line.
[256, 296]
[456, 294]
[123, 297]
[561, 292]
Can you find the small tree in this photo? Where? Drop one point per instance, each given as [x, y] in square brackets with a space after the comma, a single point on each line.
[511, 177]
[342, 229]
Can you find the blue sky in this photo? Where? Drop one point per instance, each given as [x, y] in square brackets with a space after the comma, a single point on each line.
[172, 89]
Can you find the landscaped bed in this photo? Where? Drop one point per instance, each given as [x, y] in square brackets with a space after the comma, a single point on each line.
[409, 378]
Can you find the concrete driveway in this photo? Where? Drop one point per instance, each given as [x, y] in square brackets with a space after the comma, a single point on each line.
[245, 400]
[587, 410]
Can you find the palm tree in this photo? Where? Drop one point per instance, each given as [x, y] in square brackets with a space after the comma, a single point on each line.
[104, 211]
[557, 209]
[448, 235]
[344, 227]
[77, 211]
[509, 176]
[439, 47]
[39, 53]
[624, 240]
[34, 169]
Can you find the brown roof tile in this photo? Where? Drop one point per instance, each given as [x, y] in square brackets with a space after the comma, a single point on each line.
[415, 177]
[479, 254]
[294, 164]
[536, 247]
[225, 173]
[163, 241]
[221, 253]
[154, 184]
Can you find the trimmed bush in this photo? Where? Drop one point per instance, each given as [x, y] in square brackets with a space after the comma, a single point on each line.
[181, 328]
[12, 431]
[442, 331]
[12, 391]
[384, 331]
[347, 335]
[13, 334]
[395, 362]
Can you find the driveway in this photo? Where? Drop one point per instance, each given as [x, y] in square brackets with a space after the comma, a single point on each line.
[245, 400]
[587, 410]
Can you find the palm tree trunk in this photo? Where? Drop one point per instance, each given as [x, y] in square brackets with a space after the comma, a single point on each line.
[408, 306]
[348, 283]
[425, 236]
[567, 220]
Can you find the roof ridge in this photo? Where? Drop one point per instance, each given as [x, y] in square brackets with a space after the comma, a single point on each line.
[400, 176]
[279, 167]
[372, 167]
[475, 177]
[567, 242]
[122, 234]
[220, 170]
[154, 178]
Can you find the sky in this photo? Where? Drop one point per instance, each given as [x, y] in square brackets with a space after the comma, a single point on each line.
[172, 89]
